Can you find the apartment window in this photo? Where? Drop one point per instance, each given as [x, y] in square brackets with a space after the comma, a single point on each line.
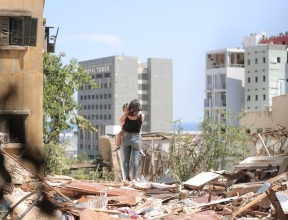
[256, 97]
[101, 96]
[89, 96]
[264, 60]
[93, 97]
[13, 127]
[264, 97]
[21, 31]
[248, 80]
[88, 107]
[84, 107]
[264, 78]
[92, 106]
[105, 96]
[105, 117]
[85, 97]
[96, 106]
[96, 116]
[81, 97]
[100, 106]
[107, 75]
[256, 79]
[109, 117]
[256, 61]
[248, 62]
[248, 98]
[109, 106]
[278, 60]
[259, 130]
[92, 117]
[101, 117]
[105, 106]
[96, 96]
[109, 96]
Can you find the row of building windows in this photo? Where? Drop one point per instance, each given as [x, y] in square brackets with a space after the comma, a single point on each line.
[143, 76]
[256, 97]
[101, 117]
[256, 79]
[100, 86]
[102, 75]
[88, 107]
[91, 147]
[97, 96]
[263, 60]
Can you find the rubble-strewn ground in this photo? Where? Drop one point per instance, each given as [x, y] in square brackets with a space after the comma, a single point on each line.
[208, 195]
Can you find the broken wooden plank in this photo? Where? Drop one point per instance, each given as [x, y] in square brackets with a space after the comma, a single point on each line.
[275, 202]
[260, 197]
[201, 179]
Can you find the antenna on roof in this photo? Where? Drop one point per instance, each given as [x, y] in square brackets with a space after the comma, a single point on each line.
[122, 48]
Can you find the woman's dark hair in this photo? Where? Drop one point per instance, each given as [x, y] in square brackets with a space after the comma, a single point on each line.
[125, 106]
[134, 107]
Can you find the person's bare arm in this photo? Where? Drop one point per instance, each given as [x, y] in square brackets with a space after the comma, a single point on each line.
[122, 120]
[143, 117]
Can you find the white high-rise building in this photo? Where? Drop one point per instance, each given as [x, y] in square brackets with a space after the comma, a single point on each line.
[224, 81]
[265, 75]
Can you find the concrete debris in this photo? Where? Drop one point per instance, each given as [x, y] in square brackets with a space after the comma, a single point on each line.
[249, 193]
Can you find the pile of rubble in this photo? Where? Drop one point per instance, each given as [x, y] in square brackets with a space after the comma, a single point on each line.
[253, 192]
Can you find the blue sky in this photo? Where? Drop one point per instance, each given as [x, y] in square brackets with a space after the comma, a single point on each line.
[178, 30]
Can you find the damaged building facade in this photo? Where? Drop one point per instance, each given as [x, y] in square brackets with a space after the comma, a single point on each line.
[21, 73]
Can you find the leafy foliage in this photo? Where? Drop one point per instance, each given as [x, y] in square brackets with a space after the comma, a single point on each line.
[55, 161]
[60, 84]
[83, 157]
[221, 145]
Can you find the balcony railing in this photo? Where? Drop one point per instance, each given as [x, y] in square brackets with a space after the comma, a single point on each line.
[221, 86]
[206, 103]
[219, 65]
[221, 103]
[237, 65]
[209, 86]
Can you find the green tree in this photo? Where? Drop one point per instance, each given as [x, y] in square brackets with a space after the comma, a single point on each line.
[60, 83]
[221, 145]
[83, 157]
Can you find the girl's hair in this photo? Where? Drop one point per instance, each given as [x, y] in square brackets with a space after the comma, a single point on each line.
[125, 106]
[134, 107]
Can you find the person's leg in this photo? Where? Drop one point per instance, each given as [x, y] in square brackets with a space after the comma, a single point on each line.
[135, 155]
[136, 144]
[127, 153]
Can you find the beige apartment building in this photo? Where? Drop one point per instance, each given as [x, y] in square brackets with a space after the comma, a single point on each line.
[21, 74]
[269, 118]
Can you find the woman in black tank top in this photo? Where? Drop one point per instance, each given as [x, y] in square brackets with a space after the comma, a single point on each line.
[131, 140]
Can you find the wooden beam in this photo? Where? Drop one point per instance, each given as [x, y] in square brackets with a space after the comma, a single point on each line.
[275, 202]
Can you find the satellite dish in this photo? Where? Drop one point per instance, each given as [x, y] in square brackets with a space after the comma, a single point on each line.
[266, 108]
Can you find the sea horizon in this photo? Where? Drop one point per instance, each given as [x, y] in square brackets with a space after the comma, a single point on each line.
[188, 126]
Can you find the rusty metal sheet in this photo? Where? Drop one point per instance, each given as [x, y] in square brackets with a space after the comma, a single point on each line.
[124, 192]
[203, 215]
[93, 188]
[129, 200]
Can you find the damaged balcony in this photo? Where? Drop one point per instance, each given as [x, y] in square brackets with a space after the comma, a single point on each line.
[225, 59]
